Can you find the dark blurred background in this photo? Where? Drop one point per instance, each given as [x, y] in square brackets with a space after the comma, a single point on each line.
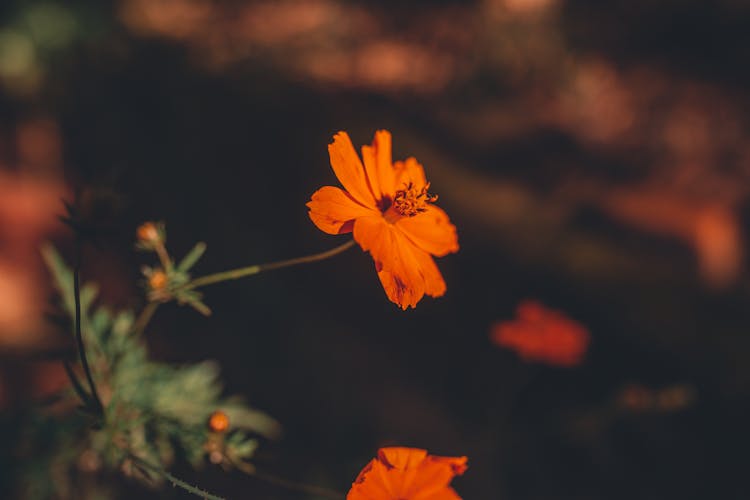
[595, 156]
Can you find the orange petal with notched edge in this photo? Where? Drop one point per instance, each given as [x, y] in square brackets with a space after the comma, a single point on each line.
[333, 210]
[397, 266]
[402, 457]
[384, 162]
[349, 169]
[368, 158]
[431, 231]
[401, 280]
[379, 165]
[435, 474]
[434, 285]
[407, 474]
[409, 171]
[374, 235]
[378, 484]
[405, 271]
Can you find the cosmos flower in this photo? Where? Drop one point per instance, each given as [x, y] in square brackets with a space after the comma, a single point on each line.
[543, 335]
[389, 209]
[407, 474]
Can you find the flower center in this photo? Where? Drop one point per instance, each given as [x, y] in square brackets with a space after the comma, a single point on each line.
[410, 201]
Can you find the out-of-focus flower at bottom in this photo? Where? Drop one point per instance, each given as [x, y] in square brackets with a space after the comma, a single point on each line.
[407, 474]
[543, 335]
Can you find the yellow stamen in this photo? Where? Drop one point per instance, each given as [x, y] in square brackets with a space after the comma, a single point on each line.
[411, 201]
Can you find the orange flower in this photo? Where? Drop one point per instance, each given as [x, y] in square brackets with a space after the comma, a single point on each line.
[388, 208]
[541, 334]
[407, 474]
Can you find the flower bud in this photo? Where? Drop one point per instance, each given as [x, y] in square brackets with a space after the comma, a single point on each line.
[218, 421]
[158, 280]
[148, 234]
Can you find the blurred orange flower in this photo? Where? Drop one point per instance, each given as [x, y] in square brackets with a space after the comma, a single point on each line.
[387, 206]
[407, 474]
[148, 233]
[158, 280]
[218, 421]
[544, 335]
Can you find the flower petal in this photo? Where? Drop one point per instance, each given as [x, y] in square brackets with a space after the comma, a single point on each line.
[379, 165]
[409, 171]
[333, 210]
[349, 170]
[457, 464]
[435, 474]
[374, 235]
[403, 467]
[373, 483]
[446, 493]
[434, 285]
[401, 457]
[398, 268]
[368, 157]
[431, 231]
[405, 271]
[407, 473]
[404, 282]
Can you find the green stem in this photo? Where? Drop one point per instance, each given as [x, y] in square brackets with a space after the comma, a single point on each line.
[175, 481]
[301, 487]
[85, 399]
[166, 262]
[319, 491]
[250, 270]
[98, 407]
[144, 317]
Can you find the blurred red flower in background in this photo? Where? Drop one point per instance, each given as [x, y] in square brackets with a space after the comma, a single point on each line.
[543, 335]
[407, 474]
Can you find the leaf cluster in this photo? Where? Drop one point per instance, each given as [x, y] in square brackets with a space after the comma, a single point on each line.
[153, 412]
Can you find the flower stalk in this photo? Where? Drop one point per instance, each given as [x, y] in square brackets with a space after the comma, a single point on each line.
[309, 489]
[95, 400]
[149, 467]
[144, 317]
[316, 491]
[251, 270]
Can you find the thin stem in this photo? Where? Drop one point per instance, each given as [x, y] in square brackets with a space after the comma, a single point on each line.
[250, 470]
[250, 270]
[85, 398]
[79, 336]
[144, 317]
[166, 262]
[175, 481]
[301, 487]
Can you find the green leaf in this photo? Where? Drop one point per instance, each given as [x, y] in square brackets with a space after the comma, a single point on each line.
[243, 417]
[200, 307]
[192, 257]
[62, 276]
